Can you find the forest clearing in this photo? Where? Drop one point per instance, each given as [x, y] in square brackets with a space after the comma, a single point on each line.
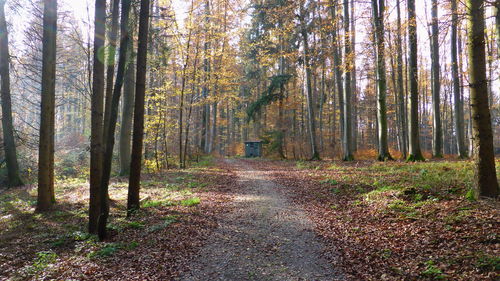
[249, 140]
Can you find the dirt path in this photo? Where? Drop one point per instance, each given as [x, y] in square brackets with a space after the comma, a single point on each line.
[265, 237]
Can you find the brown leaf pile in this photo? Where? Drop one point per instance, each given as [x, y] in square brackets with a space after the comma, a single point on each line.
[372, 243]
[141, 254]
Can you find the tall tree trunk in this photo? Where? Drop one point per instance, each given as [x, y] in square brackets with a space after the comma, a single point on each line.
[486, 177]
[7, 124]
[457, 99]
[378, 10]
[400, 85]
[437, 134]
[347, 132]
[354, 85]
[415, 152]
[337, 63]
[110, 63]
[308, 86]
[497, 24]
[205, 131]
[113, 117]
[137, 142]
[97, 107]
[46, 195]
[127, 110]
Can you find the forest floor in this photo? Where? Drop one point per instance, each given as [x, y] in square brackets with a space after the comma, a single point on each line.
[239, 219]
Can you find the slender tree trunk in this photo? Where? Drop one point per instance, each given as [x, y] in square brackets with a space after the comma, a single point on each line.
[113, 117]
[400, 85]
[308, 87]
[137, 142]
[497, 24]
[347, 132]
[205, 131]
[337, 63]
[378, 10]
[437, 148]
[486, 178]
[415, 152]
[46, 193]
[127, 111]
[7, 124]
[354, 78]
[97, 107]
[110, 63]
[457, 99]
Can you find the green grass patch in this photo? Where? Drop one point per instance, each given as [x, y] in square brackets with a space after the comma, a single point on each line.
[167, 221]
[432, 271]
[190, 202]
[157, 203]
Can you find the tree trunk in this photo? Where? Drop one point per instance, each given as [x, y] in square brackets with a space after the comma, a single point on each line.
[127, 111]
[110, 64]
[347, 132]
[7, 124]
[337, 63]
[497, 24]
[378, 10]
[415, 152]
[437, 147]
[137, 142]
[457, 99]
[308, 87]
[97, 106]
[486, 177]
[205, 131]
[113, 117]
[400, 86]
[46, 195]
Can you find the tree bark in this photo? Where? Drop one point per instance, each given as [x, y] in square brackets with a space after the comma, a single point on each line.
[486, 178]
[138, 135]
[347, 132]
[7, 124]
[337, 63]
[415, 152]
[378, 9]
[113, 117]
[400, 85]
[437, 147]
[97, 107]
[46, 196]
[308, 87]
[110, 63]
[127, 111]
[457, 99]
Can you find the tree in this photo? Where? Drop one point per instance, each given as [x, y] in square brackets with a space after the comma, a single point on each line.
[414, 151]
[127, 109]
[46, 196]
[110, 63]
[486, 178]
[337, 61]
[403, 128]
[138, 135]
[97, 107]
[347, 131]
[437, 147]
[457, 98]
[113, 117]
[7, 124]
[378, 10]
[308, 86]
[496, 8]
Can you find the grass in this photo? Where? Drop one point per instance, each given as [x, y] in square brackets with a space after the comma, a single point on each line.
[190, 202]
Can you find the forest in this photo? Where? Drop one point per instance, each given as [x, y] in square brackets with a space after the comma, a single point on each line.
[129, 129]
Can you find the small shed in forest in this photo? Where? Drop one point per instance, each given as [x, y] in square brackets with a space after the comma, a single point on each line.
[253, 149]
